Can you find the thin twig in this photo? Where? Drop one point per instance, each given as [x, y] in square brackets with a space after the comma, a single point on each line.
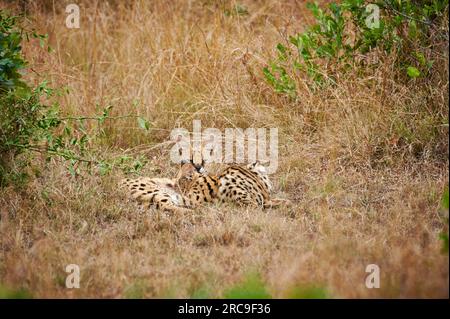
[36, 148]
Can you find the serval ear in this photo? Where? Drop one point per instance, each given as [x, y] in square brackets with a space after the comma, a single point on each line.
[254, 164]
[260, 163]
[180, 150]
[183, 161]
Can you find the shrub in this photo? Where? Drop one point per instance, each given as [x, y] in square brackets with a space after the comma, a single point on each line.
[345, 36]
[29, 125]
[252, 287]
[11, 61]
[19, 104]
[396, 65]
[8, 293]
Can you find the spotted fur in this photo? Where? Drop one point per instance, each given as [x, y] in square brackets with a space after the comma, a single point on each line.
[243, 185]
[192, 187]
[160, 192]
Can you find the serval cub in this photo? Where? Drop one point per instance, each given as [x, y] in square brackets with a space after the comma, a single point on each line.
[241, 184]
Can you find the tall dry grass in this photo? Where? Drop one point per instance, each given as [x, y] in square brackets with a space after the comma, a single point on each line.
[365, 163]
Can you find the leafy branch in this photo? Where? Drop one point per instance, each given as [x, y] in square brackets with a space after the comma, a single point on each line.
[28, 126]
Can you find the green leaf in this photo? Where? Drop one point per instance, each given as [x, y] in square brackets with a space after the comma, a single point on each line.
[282, 52]
[413, 72]
[143, 124]
[445, 201]
[104, 168]
[444, 238]
[72, 169]
[269, 76]
[421, 58]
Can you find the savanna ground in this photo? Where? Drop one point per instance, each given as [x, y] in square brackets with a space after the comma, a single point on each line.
[365, 163]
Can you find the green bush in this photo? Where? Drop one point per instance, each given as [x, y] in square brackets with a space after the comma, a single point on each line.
[28, 125]
[346, 33]
[19, 104]
[252, 287]
[11, 61]
[8, 293]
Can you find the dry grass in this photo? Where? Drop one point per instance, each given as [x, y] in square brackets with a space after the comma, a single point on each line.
[364, 163]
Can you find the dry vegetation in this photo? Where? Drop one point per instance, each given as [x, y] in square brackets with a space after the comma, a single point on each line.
[362, 193]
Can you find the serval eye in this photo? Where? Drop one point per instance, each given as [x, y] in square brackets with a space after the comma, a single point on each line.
[199, 168]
